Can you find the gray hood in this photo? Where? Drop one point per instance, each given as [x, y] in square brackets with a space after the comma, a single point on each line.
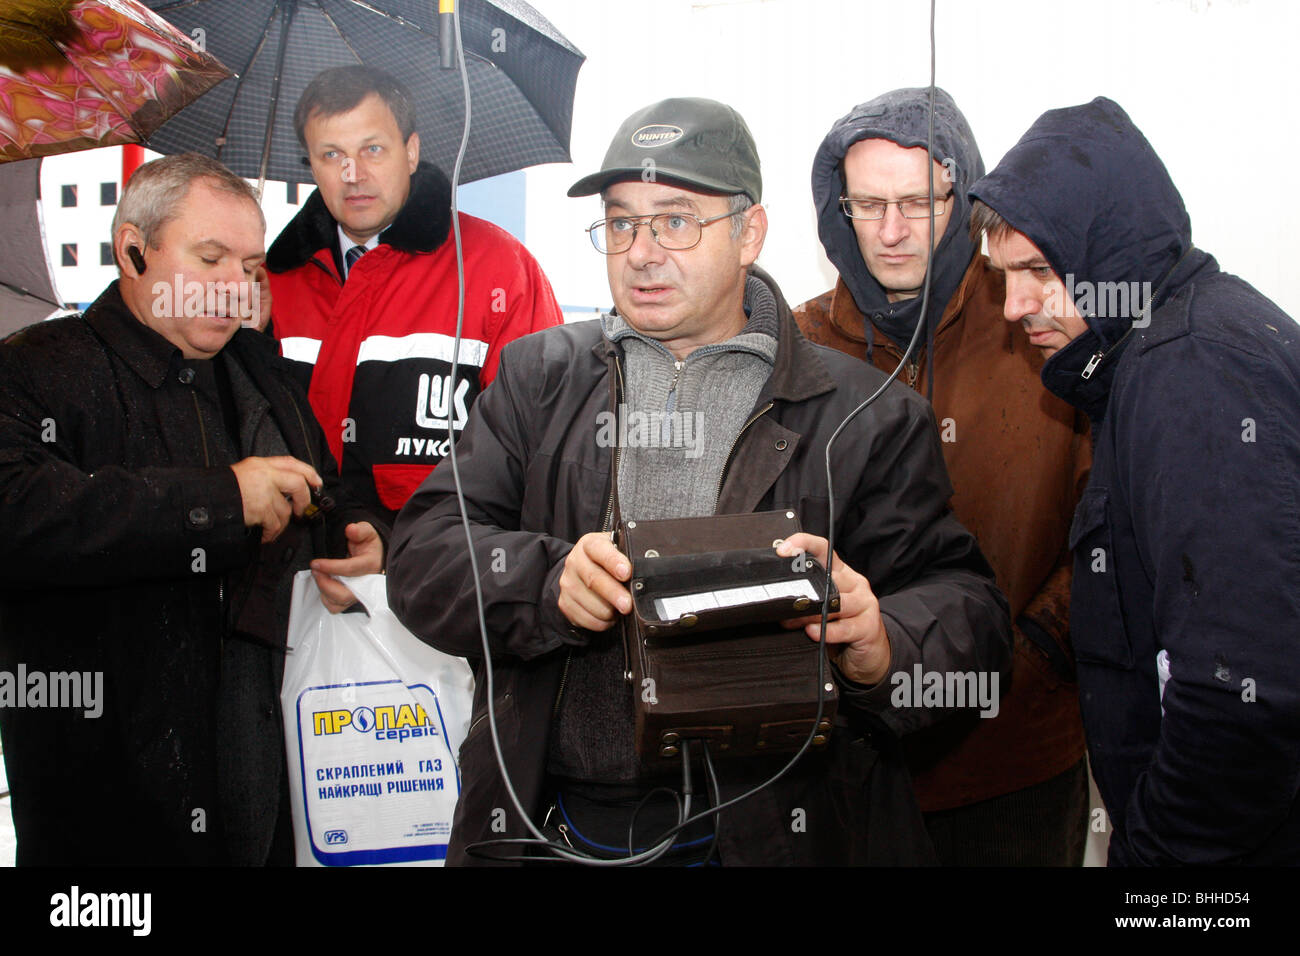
[902, 117]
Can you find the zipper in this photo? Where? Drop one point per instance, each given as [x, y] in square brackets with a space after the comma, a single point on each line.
[613, 482]
[727, 464]
[671, 401]
[306, 435]
[1100, 355]
[913, 369]
[483, 716]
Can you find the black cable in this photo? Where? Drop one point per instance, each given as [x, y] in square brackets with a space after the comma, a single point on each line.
[631, 826]
[715, 795]
[911, 346]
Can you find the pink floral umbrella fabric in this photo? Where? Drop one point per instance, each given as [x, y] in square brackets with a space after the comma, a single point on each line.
[78, 74]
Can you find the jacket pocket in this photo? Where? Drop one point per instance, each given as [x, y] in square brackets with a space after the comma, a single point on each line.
[1097, 629]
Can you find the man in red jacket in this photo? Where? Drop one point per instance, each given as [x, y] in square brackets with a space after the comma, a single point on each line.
[364, 287]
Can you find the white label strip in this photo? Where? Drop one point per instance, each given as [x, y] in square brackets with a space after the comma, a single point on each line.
[671, 608]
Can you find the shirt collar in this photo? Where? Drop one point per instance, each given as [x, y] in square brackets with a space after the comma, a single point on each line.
[345, 244]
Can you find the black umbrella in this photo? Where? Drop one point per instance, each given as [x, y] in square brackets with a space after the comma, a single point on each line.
[522, 74]
[27, 292]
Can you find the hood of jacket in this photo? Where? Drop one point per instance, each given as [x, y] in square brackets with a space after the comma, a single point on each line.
[902, 117]
[1085, 186]
[421, 225]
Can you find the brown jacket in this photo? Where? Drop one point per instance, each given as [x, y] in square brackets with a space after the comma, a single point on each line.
[1018, 458]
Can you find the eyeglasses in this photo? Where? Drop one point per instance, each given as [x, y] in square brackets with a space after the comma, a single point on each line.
[916, 207]
[672, 230]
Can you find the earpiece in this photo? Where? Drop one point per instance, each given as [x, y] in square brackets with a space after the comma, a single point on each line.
[137, 259]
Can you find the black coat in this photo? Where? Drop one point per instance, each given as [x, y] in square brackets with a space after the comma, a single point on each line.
[536, 479]
[126, 554]
[1187, 539]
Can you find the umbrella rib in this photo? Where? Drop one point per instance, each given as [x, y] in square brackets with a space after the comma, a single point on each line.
[29, 294]
[342, 39]
[286, 19]
[239, 82]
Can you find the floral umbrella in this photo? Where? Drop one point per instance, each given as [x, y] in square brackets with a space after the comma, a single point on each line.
[77, 74]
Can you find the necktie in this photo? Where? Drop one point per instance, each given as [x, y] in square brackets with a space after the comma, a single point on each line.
[352, 255]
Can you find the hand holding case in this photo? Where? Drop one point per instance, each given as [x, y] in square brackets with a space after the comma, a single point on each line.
[730, 675]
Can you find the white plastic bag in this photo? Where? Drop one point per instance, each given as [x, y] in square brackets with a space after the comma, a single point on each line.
[373, 720]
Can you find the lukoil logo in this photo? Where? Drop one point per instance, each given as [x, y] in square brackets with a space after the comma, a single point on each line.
[391, 722]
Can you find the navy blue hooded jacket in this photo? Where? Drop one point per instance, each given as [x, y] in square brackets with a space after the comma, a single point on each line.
[1188, 537]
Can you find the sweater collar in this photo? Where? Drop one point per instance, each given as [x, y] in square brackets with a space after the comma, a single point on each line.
[420, 227]
[798, 373]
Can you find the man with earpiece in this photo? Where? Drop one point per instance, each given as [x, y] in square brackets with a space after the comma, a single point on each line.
[159, 470]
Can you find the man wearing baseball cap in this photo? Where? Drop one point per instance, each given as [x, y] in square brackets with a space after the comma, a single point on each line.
[702, 344]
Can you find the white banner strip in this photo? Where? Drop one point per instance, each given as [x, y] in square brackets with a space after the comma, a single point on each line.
[431, 345]
[300, 349]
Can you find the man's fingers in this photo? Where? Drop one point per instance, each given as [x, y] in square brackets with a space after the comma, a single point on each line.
[334, 594]
[278, 519]
[590, 588]
[581, 617]
[301, 468]
[803, 541]
[596, 603]
[600, 550]
[346, 567]
[591, 595]
[294, 488]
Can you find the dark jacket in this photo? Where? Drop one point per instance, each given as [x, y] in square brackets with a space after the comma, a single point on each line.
[1186, 539]
[1018, 458]
[535, 480]
[126, 554]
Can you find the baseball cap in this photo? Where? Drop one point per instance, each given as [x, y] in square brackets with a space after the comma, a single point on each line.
[693, 141]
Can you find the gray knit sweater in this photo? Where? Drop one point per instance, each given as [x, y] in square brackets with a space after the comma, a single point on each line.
[676, 430]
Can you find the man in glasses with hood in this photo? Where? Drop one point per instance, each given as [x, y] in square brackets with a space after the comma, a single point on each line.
[1011, 789]
[1187, 540]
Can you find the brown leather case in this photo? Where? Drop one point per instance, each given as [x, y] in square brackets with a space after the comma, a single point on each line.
[732, 676]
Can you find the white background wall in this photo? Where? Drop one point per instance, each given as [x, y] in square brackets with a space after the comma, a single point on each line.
[1212, 83]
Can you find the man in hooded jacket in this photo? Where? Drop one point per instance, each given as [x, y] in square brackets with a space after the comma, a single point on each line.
[1011, 789]
[1185, 540]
